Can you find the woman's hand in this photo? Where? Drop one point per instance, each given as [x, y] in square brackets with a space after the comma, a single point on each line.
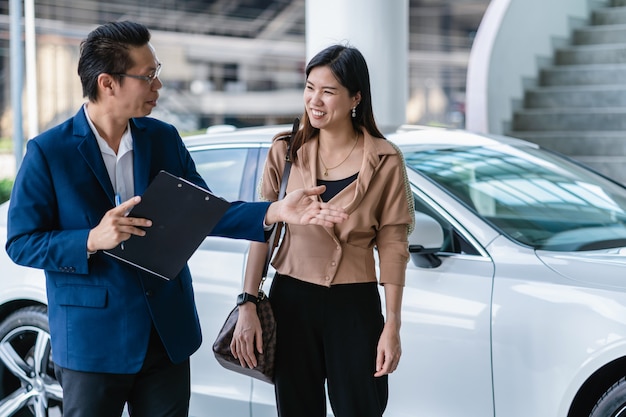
[389, 350]
[247, 336]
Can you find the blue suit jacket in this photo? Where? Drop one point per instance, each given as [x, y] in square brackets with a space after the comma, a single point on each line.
[100, 309]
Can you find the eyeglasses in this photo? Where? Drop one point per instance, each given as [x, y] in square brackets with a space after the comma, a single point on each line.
[147, 78]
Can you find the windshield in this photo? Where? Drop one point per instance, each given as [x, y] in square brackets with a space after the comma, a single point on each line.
[535, 197]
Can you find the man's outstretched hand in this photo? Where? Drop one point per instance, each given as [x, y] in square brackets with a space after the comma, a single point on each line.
[301, 207]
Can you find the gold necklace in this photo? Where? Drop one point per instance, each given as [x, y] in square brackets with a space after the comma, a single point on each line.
[326, 169]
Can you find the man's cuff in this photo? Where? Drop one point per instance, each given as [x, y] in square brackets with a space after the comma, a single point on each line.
[268, 232]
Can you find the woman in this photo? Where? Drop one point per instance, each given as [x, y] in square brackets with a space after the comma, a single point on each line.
[330, 326]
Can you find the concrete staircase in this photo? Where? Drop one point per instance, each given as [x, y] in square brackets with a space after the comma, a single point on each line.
[579, 105]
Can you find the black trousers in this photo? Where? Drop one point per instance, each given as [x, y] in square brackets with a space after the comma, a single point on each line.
[159, 389]
[327, 335]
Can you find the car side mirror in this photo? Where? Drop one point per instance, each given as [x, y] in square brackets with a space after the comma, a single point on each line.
[425, 241]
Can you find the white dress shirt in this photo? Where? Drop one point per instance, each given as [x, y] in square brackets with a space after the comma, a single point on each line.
[120, 165]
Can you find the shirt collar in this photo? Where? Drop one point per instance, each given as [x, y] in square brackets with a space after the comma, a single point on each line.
[126, 144]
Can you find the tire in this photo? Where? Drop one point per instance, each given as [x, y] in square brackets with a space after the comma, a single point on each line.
[28, 386]
[613, 402]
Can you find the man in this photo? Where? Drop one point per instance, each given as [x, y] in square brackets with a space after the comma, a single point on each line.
[119, 335]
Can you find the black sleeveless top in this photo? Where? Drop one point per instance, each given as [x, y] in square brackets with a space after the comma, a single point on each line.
[334, 187]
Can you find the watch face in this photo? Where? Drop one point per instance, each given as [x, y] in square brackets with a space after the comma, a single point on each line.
[244, 298]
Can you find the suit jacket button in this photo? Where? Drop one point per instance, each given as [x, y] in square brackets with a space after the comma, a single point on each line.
[149, 293]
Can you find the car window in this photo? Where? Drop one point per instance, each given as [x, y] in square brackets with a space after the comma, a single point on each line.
[223, 170]
[533, 196]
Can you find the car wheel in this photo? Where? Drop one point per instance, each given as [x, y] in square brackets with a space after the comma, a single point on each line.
[28, 386]
[613, 401]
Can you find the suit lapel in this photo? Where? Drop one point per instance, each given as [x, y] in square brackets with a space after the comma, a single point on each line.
[142, 155]
[89, 149]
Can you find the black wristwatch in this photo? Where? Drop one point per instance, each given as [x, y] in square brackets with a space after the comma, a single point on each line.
[244, 297]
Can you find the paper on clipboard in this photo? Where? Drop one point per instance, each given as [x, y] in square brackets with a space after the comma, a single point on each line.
[182, 215]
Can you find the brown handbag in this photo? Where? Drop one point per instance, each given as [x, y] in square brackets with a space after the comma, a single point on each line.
[264, 370]
[265, 361]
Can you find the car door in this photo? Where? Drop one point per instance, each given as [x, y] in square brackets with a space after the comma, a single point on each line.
[217, 270]
[445, 370]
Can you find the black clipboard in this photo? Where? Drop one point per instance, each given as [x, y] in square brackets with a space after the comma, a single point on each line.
[182, 215]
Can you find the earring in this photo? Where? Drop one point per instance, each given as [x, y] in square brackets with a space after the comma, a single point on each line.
[353, 112]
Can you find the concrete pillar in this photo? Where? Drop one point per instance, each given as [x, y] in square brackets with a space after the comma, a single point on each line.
[17, 79]
[380, 30]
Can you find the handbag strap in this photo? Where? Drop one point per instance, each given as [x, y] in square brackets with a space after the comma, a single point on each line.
[281, 195]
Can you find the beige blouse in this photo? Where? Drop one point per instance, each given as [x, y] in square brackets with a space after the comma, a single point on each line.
[380, 206]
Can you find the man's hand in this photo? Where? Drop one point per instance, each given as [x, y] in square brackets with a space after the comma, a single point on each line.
[301, 207]
[115, 227]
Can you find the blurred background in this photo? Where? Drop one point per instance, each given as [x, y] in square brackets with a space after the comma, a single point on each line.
[553, 73]
[237, 62]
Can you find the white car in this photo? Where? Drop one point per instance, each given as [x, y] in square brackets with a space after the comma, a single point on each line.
[515, 298]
